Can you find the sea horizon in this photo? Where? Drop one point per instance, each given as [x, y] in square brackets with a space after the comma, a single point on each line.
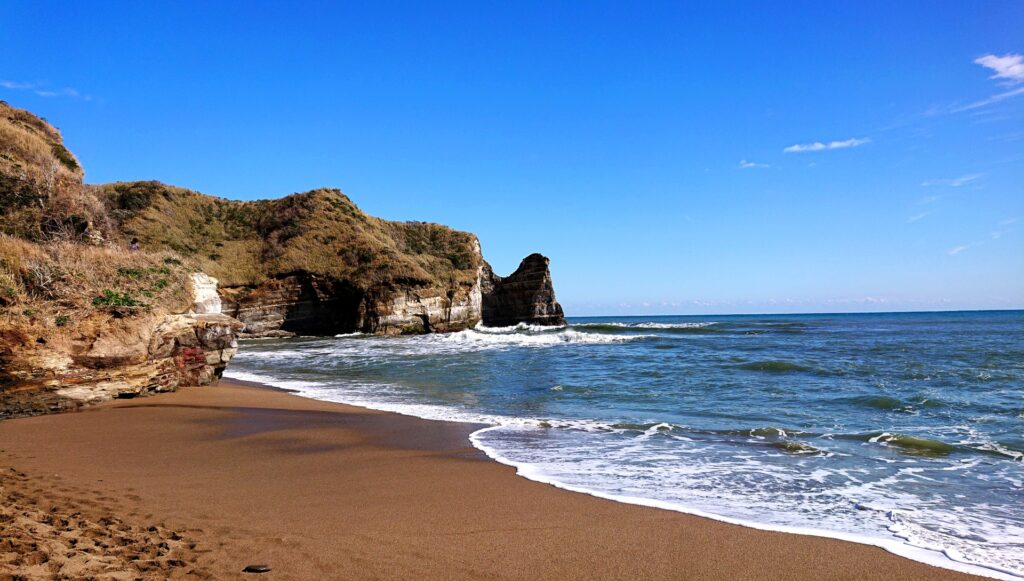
[795, 314]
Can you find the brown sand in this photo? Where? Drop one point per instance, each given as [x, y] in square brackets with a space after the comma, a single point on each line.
[205, 481]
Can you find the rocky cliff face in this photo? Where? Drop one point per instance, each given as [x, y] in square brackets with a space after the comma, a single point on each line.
[127, 357]
[306, 304]
[525, 296]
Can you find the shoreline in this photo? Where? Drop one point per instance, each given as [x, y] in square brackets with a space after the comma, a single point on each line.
[257, 475]
[928, 557]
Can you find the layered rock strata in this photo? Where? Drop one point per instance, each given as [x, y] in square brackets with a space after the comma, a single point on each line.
[308, 304]
[131, 356]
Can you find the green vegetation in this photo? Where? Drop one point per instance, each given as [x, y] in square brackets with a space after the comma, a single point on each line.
[111, 298]
[61, 320]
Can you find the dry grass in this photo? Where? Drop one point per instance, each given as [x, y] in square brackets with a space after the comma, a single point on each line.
[321, 232]
[41, 191]
[32, 148]
[67, 285]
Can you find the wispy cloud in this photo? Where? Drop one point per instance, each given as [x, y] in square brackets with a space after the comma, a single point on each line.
[819, 146]
[1005, 227]
[751, 165]
[993, 99]
[917, 217]
[953, 182]
[43, 91]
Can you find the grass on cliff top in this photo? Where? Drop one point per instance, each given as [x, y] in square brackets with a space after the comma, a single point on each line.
[74, 286]
[43, 199]
[41, 192]
[321, 232]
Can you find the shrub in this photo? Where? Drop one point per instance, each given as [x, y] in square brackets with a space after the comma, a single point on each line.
[61, 320]
[130, 272]
[115, 299]
[64, 156]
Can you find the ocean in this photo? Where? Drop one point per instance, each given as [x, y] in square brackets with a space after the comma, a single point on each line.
[901, 430]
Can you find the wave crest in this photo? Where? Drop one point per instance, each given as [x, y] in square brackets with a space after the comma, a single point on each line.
[549, 336]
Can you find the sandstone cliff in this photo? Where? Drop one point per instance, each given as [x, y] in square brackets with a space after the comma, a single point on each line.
[82, 320]
[85, 324]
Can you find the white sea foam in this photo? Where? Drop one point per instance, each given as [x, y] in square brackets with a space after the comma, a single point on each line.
[650, 325]
[490, 338]
[519, 328]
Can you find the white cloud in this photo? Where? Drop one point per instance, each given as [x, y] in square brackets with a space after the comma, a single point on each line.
[1009, 66]
[917, 217]
[928, 200]
[819, 146]
[42, 91]
[750, 164]
[958, 249]
[953, 182]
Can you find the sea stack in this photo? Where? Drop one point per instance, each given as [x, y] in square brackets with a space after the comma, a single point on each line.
[525, 296]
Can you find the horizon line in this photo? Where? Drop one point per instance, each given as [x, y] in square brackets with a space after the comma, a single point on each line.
[1011, 310]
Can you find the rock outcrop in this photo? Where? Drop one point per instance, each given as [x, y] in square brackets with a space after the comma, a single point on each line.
[307, 304]
[127, 357]
[525, 296]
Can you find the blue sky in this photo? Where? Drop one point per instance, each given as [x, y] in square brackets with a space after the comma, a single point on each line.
[732, 157]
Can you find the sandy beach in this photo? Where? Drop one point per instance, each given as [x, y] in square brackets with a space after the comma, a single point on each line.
[206, 481]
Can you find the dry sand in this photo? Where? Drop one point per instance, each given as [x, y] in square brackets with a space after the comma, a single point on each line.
[205, 481]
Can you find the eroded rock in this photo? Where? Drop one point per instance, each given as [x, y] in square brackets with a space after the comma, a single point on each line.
[525, 296]
[138, 355]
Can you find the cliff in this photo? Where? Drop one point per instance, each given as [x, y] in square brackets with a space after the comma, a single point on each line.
[81, 324]
[315, 264]
[83, 320]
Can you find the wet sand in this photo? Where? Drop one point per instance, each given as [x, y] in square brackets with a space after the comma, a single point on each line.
[205, 481]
